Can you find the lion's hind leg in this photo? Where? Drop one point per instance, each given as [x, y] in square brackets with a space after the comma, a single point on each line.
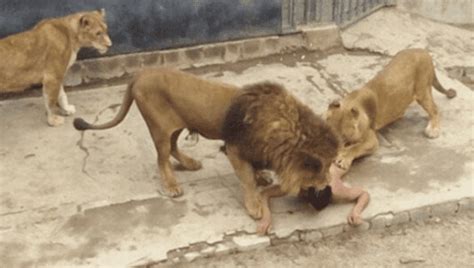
[162, 139]
[163, 147]
[424, 97]
[186, 161]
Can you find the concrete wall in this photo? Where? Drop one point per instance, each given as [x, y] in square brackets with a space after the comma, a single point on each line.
[150, 25]
[451, 11]
[145, 25]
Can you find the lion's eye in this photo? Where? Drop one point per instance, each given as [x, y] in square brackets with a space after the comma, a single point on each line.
[98, 33]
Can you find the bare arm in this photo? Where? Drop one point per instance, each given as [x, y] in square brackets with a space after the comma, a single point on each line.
[342, 193]
[265, 222]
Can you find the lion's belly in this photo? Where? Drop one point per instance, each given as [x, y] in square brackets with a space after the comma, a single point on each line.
[19, 70]
[19, 81]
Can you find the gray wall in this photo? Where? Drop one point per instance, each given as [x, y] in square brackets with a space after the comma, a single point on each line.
[143, 25]
[146, 25]
[451, 11]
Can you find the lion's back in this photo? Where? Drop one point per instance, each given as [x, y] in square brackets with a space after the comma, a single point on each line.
[23, 57]
[268, 124]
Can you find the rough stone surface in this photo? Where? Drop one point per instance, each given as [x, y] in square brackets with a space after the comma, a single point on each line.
[224, 248]
[322, 38]
[466, 204]
[191, 256]
[208, 251]
[333, 230]
[311, 236]
[381, 221]
[249, 242]
[401, 218]
[420, 214]
[359, 228]
[445, 209]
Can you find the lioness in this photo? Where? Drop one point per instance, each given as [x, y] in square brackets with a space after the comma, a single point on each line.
[171, 100]
[43, 54]
[268, 128]
[384, 99]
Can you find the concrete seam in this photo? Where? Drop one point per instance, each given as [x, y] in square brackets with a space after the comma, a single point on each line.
[300, 234]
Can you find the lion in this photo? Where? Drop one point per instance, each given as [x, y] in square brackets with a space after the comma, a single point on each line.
[267, 128]
[383, 100]
[170, 101]
[43, 54]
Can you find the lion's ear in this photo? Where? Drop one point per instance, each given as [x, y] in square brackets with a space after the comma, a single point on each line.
[311, 163]
[355, 112]
[84, 21]
[335, 104]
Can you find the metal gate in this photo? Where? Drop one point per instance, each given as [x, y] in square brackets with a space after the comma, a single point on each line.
[296, 13]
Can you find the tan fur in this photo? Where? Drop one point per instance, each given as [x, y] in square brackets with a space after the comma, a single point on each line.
[268, 128]
[169, 101]
[384, 99]
[43, 54]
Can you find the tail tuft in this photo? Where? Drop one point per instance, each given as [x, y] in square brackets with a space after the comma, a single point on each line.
[451, 93]
[81, 124]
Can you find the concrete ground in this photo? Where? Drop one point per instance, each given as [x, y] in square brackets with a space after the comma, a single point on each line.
[436, 243]
[93, 199]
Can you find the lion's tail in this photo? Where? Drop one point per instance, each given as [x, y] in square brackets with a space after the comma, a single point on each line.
[450, 93]
[81, 124]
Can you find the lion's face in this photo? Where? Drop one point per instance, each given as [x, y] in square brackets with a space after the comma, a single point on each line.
[307, 170]
[348, 120]
[93, 31]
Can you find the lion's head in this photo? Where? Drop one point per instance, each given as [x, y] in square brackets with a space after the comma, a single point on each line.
[306, 170]
[349, 120]
[92, 31]
[313, 153]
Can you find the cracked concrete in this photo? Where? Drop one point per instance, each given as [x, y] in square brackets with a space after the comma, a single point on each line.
[92, 198]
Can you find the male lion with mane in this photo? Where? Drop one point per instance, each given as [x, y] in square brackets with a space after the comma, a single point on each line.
[43, 54]
[268, 128]
[408, 77]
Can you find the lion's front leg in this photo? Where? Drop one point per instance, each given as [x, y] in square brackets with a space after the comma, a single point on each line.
[51, 89]
[67, 108]
[246, 174]
[265, 222]
[366, 147]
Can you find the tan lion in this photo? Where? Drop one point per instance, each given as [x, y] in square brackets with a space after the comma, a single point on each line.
[43, 54]
[407, 78]
[171, 100]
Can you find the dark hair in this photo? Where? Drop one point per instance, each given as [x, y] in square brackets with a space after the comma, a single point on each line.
[319, 199]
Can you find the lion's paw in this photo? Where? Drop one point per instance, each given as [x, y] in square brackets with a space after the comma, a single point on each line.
[343, 163]
[192, 164]
[55, 120]
[69, 110]
[173, 191]
[254, 207]
[432, 132]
